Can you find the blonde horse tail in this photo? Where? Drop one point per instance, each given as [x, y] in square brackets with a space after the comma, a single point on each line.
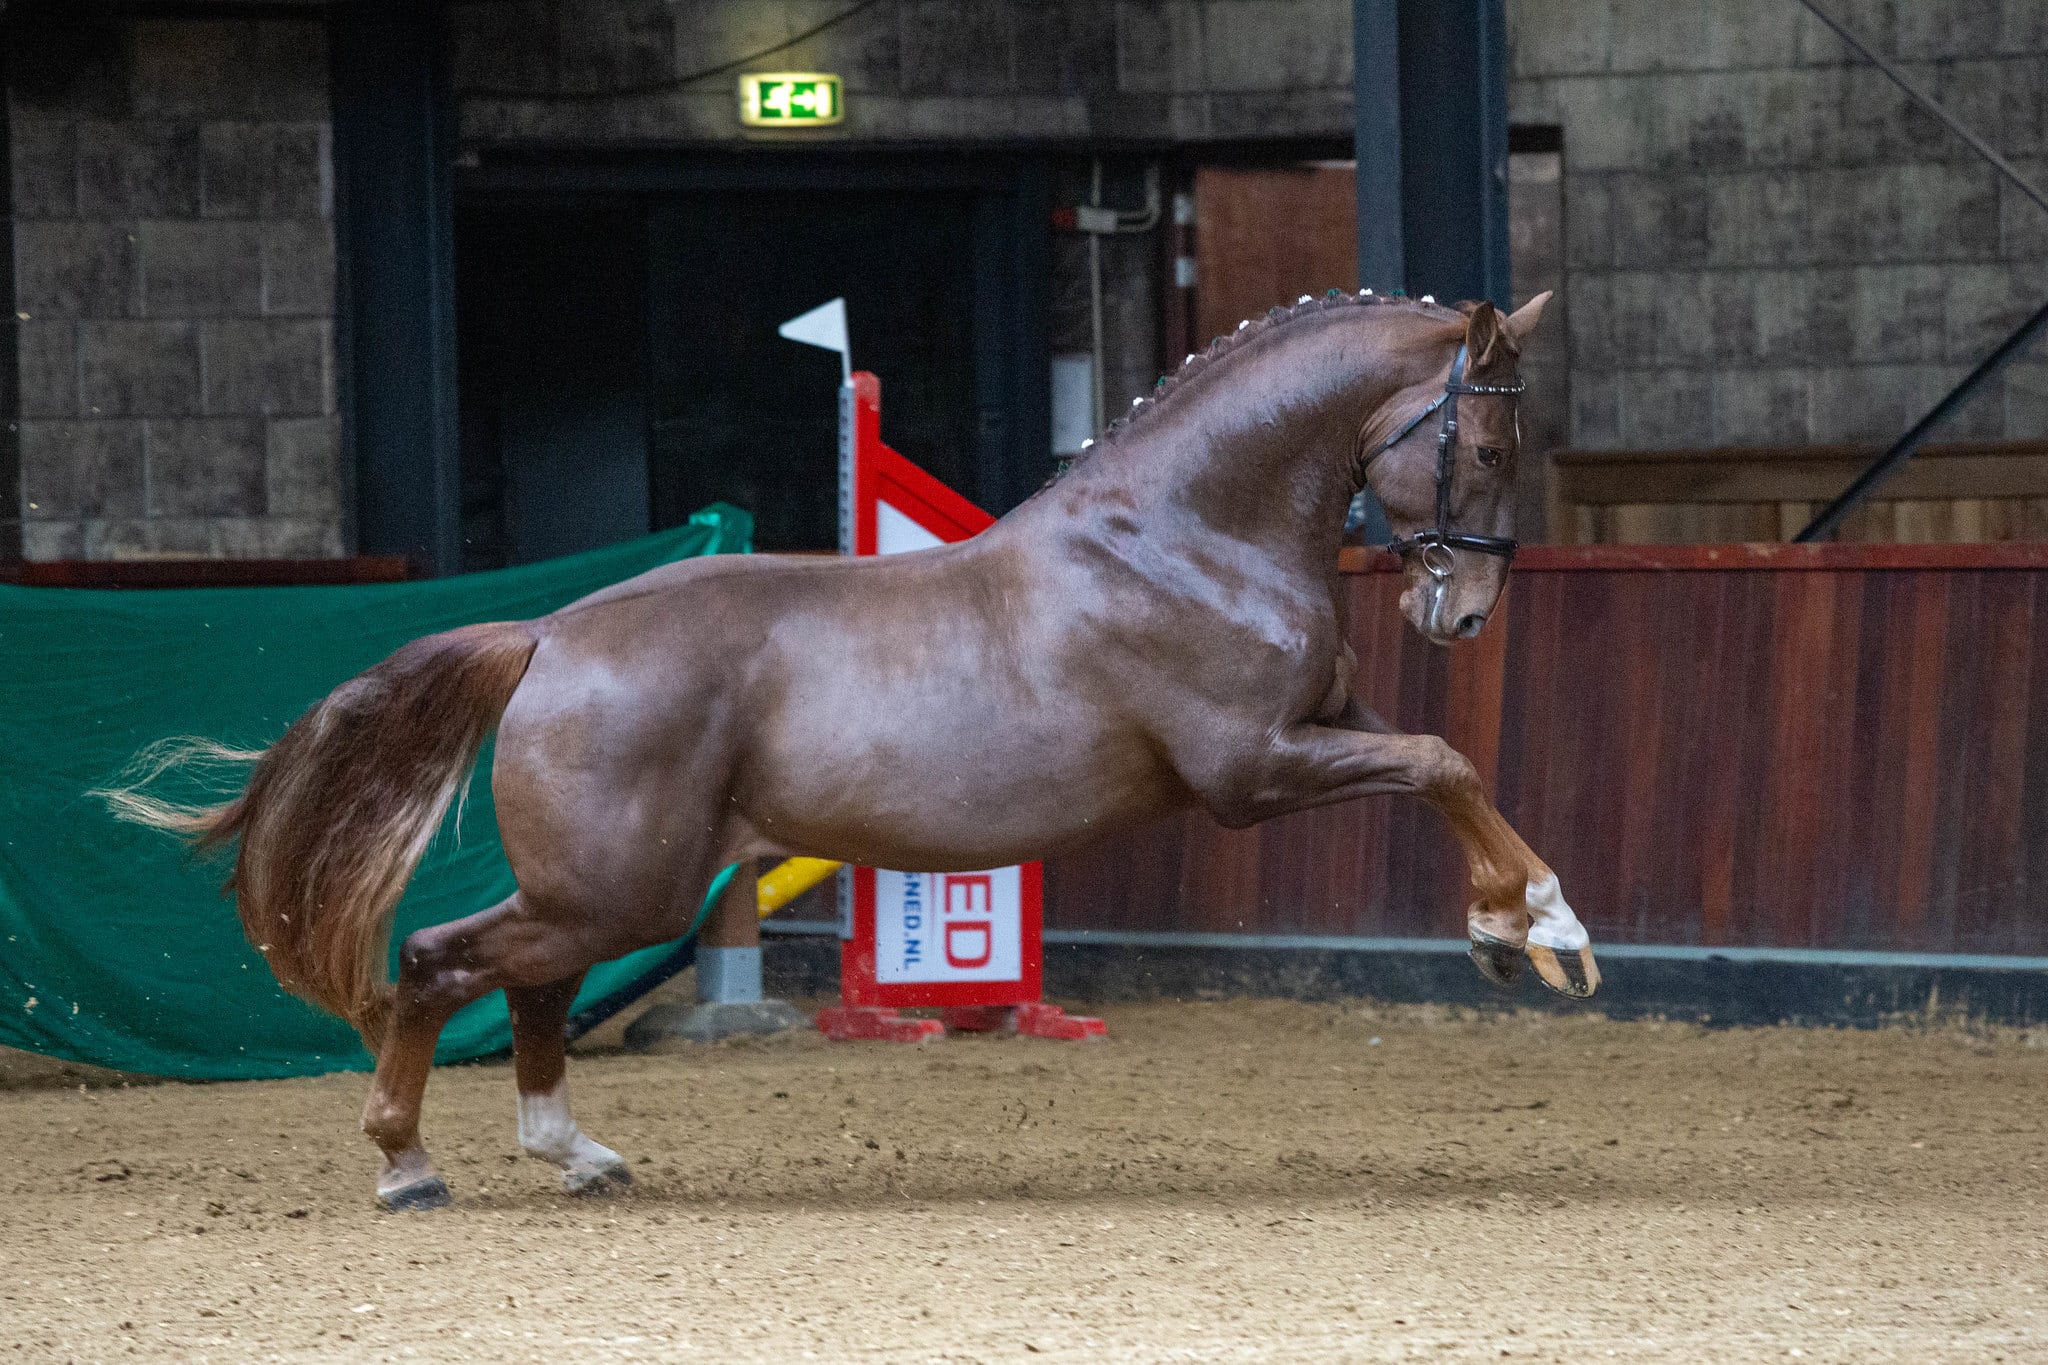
[336, 815]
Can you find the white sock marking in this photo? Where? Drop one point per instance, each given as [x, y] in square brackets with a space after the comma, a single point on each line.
[1551, 922]
[548, 1131]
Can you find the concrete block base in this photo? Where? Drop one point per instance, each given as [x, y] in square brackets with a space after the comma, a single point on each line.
[710, 1022]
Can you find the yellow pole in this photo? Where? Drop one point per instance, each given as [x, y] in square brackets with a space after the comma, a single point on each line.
[789, 879]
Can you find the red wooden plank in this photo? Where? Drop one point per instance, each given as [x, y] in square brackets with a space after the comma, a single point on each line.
[1749, 755]
[1837, 833]
[1991, 863]
[1711, 769]
[1801, 670]
[1647, 628]
[1961, 763]
[1877, 744]
[1219, 882]
[1856, 758]
[1472, 721]
[1925, 645]
[1596, 751]
[207, 573]
[1299, 889]
[1377, 636]
[2032, 906]
[1772, 556]
[1539, 624]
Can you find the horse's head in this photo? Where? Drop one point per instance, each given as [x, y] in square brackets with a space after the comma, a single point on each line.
[1442, 456]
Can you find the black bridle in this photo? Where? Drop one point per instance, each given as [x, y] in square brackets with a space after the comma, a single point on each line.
[1441, 537]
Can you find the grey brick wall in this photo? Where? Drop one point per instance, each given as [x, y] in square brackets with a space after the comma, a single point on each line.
[174, 290]
[1763, 241]
[1769, 243]
[915, 70]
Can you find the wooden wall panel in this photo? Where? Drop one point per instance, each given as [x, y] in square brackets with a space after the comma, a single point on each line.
[1848, 750]
[1966, 492]
[1265, 236]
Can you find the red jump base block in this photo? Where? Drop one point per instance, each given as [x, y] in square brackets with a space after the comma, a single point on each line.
[883, 1024]
[1033, 1020]
[875, 1024]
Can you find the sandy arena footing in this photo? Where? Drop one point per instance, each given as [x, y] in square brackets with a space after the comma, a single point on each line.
[1219, 1182]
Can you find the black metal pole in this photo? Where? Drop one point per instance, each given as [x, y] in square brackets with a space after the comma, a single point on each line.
[12, 500]
[1902, 449]
[394, 232]
[1492, 31]
[1376, 123]
[1454, 148]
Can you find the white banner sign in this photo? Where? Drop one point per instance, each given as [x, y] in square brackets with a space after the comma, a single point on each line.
[949, 926]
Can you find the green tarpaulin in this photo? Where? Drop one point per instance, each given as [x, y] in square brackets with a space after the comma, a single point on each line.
[116, 947]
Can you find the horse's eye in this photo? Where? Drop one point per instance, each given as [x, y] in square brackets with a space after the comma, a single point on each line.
[1491, 455]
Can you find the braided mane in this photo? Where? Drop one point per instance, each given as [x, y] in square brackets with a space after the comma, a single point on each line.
[1248, 331]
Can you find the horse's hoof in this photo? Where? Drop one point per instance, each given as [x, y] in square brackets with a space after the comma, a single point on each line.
[1567, 971]
[1497, 960]
[421, 1195]
[596, 1181]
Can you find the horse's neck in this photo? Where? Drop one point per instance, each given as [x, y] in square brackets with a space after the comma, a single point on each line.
[1259, 449]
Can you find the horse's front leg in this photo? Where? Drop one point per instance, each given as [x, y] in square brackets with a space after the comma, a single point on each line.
[1520, 909]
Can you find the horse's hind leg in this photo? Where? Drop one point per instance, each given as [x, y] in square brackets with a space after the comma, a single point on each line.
[540, 1018]
[440, 970]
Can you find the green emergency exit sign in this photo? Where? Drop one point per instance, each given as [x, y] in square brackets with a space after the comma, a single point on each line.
[790, 99]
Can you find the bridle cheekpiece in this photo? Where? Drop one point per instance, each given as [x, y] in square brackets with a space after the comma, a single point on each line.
[1441, 537]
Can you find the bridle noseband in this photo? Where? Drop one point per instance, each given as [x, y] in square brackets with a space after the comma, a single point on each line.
[1441, 537]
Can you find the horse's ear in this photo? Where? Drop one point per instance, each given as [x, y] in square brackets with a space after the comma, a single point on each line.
[1484, 336]
[1522, 321]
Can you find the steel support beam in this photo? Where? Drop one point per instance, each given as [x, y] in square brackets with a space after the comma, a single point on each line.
[1430, 110]
[1376, 115]
[395, 287]
[1831, 517]
[12, 34]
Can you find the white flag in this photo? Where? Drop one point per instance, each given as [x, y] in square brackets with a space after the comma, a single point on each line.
[823, 326]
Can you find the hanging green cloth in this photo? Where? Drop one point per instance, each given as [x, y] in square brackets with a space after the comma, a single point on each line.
[116, 947]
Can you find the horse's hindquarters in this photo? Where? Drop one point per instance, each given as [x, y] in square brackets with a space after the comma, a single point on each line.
[611, 780]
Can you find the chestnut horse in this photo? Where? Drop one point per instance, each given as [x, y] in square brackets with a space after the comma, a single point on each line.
[1154, 630]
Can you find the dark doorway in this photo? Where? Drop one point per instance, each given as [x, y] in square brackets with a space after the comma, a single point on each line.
[618, 360]
[551, 376]
[742, 416]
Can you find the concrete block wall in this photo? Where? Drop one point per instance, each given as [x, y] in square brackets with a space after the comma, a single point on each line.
[1536, 255]
[915, 70]
[171, 203]
[1763, 241]
[1769, 243]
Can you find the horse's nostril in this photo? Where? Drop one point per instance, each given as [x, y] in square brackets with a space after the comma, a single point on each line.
[1469, 624]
